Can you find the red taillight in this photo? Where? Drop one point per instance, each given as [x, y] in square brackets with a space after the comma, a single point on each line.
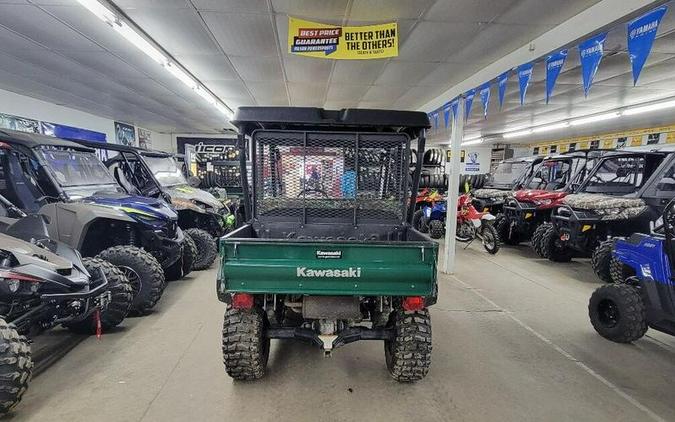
[413, 303]
[242, 301]
[4, 145]
[18, 276]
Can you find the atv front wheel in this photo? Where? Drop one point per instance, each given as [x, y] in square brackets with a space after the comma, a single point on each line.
[408, 354]
[601, 259]
[121, 298]
[143, 272]
[620, 272]
[206, 248]
[245, 346]
[419, 223]
[183, 266]
[436, 229]
[618, 313]
[553, 248]
[491, 241]
[16, 367]
[535, 242]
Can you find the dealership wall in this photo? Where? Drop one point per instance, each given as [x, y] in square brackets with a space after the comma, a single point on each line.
[32, 108]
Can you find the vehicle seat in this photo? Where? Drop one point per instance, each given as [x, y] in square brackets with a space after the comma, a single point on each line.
[124, 182]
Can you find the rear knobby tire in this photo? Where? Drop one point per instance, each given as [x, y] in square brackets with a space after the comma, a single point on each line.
[436, 229]
[121, 295]
[137, 263]
[408, 354]
[206, 248]
[535, 242]
[183, 266]
[618, 313]
[620, 272]
[245, 346]
[601, 260]
[16, 366]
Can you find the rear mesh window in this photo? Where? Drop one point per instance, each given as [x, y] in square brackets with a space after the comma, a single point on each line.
[326, 176]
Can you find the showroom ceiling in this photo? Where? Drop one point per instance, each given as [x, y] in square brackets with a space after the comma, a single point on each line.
[57, 51]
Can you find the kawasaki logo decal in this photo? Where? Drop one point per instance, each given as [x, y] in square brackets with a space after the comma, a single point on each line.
[329, 254]
[350, 272]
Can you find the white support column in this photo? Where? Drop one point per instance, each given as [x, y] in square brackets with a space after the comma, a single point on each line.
[456, 137]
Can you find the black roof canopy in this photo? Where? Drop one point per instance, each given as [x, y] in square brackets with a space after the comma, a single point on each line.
[248, 119]
[124, 148]
[33, 140]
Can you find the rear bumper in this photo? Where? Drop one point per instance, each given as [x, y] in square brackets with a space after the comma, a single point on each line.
[576, 229]
[346, 336]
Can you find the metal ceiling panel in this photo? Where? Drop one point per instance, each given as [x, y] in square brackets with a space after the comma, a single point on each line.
[385, 93]
[357, 71]
[444, 74]
[161, 24]
[430, 41]
[242, 34]
[301, 69]
[208, 66]
[545, 12]
[346, 93]
[253, 68]
[405, 73]
[268, 91]
[307, 94]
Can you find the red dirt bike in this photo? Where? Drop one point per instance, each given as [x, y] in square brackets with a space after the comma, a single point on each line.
[472, 225]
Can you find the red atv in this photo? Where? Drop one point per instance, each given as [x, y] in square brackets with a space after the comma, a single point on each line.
[528, 211]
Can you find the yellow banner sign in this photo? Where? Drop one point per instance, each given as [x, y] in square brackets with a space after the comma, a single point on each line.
[324, 41]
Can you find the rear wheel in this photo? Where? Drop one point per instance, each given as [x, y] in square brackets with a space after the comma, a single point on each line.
[436, 229]
[245, 346]
[419, 223]
[535, 242]
[121, 298]
[206, 248]
[553, 248]
[618, 313]
[183, 266]
[601, 259]
[491, 241]
[143, 272]
[16, 366]
[408, 354]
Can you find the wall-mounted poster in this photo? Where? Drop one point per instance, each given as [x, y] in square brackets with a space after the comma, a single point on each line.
[125, 134]
[7, 121]
[144, 138]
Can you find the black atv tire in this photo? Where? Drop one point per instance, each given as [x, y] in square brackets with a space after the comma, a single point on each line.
[538, 234]
[206, 248]
[144, 273]
[246, 349]
[501, 224]
[551, 249]
[436, 229]
[619, 272]
[16, 366]
[618, 313]
[490, 231]
[121, 293]
[408, 354]
[601, 260]
[418, 222]
[183, 266]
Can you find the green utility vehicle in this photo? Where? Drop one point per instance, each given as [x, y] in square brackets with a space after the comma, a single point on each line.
[328, 254]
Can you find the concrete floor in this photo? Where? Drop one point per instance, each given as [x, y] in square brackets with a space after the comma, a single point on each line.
[512, 342]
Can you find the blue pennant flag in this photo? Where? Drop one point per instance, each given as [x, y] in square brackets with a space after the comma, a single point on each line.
[554, 63]
[447, 109]
[454, 106]
[434, 116]
[590, 53]
[502, 79]
[641, 35]
[524, 76]
[468, 102]
[485, 97]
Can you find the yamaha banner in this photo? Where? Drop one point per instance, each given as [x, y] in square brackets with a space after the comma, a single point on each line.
[524, 76]
[502, 79]
[554, 64]
[485, 97]
[641, 35]
[468, 103]
[590, 53]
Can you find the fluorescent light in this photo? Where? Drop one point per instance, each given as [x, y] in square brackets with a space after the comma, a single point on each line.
[225, 110]
[180, 75]
[141, 43]
[205, 95]
[474, 142]
[597, 118]
[651, 107]
[472, 137]
[549, 128]
[517, 134]
[99, 10]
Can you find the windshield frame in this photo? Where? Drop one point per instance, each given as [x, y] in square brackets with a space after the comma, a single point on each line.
[644, 184]
[567, 160]
[147, 161]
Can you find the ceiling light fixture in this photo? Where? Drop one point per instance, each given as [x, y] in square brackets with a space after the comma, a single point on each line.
[225, 110]
[517, 134]
[205, 94]
[651, 107]
[596, 118]
[141, 43]
[548, 128]
[472, 137]
[99, 10]
[178, 73]
[474, 142]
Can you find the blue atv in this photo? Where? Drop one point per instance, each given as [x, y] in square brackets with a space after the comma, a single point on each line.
[644, 291]
[434, 218]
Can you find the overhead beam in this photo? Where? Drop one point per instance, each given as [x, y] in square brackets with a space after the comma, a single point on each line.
[597, 18]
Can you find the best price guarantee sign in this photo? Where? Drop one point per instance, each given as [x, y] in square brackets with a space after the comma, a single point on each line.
[342, 42]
